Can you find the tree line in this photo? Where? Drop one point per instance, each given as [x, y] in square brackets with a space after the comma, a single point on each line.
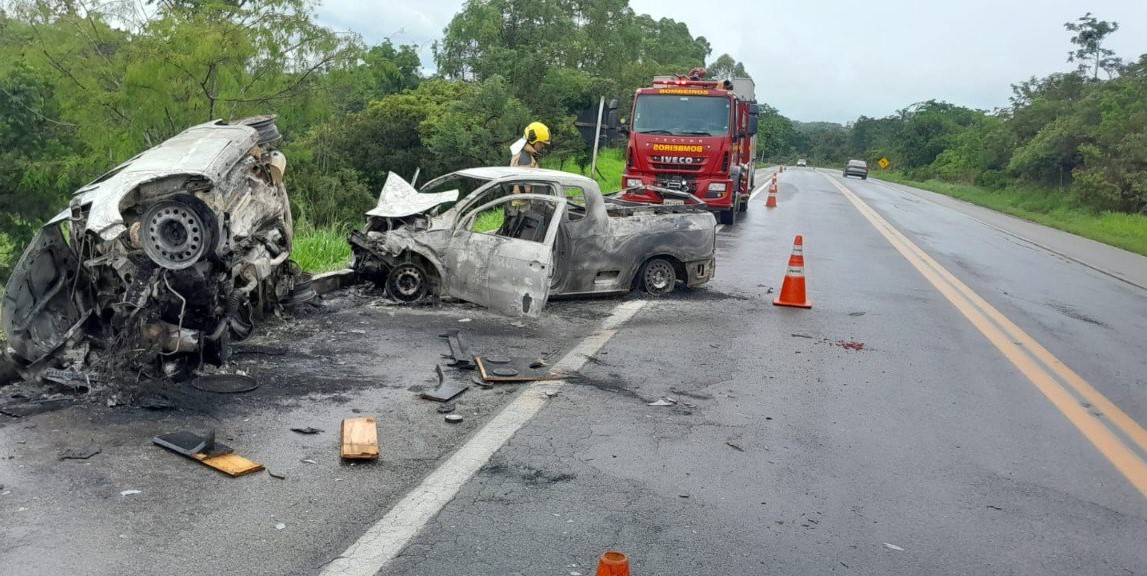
[85, 85]
[1081, 135]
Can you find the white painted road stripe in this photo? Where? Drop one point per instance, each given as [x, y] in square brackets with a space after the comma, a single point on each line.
[383, 541]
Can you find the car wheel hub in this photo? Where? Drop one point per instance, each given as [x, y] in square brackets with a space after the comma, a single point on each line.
[174, 235]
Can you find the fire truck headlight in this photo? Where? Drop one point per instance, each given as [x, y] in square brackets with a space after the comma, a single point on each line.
[717, 187]
[633, 182]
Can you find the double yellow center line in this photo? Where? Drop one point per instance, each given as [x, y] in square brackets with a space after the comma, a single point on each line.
[1115, 434]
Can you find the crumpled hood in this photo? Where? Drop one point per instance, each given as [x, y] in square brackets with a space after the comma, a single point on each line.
[398, 199]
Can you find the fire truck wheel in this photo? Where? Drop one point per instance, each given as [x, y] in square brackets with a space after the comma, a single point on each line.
[728, 217]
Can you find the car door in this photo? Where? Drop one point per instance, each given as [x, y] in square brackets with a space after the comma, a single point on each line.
[500, 254]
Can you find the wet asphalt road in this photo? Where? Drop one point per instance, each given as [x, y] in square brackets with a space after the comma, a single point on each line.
[789, 450]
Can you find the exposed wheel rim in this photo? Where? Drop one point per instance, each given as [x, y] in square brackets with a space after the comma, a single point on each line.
[174, 235]
[407, 283]
[659, 277]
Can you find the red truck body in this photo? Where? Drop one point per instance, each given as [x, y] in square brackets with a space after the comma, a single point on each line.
[696, 137]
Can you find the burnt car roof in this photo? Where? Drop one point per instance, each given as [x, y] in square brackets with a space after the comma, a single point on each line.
[498, 172]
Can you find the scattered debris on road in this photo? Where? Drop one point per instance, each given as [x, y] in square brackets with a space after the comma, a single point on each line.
[32, 408]
[459, 353]
[221, 383]
[307, 430]
[447, 388]
[80, 453]
[130, 492]
[664, 401]
[730, 444]
[446, 408]
[208, 452]
[359, 440]
[893, 547]
[276, 475]
[505, 369]
[453, 418]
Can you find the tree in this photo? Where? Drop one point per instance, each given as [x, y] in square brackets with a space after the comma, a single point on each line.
[725, 67]
[1090, 54]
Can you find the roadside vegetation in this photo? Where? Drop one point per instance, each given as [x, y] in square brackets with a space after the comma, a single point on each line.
[1126, 231]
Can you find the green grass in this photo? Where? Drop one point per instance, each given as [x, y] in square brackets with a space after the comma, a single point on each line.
[1050, 208]
[489, 220]
[610, 165]
[320, 250]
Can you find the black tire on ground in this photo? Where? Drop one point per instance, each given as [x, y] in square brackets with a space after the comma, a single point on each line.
[744, 205]
[408, 282]
[865, 177]
[657, 277]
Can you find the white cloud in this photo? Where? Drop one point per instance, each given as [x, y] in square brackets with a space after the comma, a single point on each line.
[837, 59]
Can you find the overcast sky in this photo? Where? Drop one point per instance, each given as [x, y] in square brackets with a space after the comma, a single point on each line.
[836, 59]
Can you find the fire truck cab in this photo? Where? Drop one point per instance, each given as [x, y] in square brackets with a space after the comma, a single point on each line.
[692, 141]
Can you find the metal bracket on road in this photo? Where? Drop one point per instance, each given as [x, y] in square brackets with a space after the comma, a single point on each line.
[459, 352]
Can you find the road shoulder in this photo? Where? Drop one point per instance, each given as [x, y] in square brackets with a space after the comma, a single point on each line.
[1115, 262]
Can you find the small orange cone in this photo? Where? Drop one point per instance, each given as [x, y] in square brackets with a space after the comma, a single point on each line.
[613, 564]
[793, 291]
[771, 201]
[774, 178]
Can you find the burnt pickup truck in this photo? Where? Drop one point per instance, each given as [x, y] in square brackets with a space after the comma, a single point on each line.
[510, 238]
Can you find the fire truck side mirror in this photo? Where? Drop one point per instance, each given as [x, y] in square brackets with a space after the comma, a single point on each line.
[753, 120]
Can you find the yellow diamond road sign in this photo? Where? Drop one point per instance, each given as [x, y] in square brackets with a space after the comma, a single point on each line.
[883, 163]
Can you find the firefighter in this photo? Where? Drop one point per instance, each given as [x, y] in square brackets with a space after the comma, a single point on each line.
[525, 152]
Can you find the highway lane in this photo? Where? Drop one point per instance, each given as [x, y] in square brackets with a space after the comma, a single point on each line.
[787, 452]
[796, 455]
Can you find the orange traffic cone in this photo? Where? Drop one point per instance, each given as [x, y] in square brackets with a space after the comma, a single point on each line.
[771, 201]
[613, 564]
[792, 291]
[774, 178]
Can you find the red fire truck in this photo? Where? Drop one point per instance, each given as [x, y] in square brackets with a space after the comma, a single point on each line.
[693, 141]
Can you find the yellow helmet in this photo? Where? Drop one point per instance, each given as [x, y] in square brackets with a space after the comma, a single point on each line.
[537, 132]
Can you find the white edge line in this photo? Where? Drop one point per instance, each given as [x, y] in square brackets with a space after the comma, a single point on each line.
[385, 539]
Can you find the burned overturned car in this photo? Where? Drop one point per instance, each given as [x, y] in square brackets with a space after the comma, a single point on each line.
[509, 238]
[159, 262]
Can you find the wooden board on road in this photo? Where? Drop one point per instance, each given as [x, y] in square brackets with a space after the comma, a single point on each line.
[359, 439]
[232, 465]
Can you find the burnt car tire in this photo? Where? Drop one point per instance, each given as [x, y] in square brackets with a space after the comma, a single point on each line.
[657, 277]
[407, 282]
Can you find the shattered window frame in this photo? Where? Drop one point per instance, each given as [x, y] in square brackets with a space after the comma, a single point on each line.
[512, 228]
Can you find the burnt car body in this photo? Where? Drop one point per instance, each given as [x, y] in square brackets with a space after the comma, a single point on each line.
[165, 257]
[509, 238]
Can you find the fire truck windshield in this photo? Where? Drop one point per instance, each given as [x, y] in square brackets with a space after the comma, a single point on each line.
[682, 115]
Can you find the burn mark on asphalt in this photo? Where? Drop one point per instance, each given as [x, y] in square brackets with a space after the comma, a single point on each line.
[1071, 312]
[528, 475]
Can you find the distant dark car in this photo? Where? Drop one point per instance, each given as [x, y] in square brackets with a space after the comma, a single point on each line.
[856, 168]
